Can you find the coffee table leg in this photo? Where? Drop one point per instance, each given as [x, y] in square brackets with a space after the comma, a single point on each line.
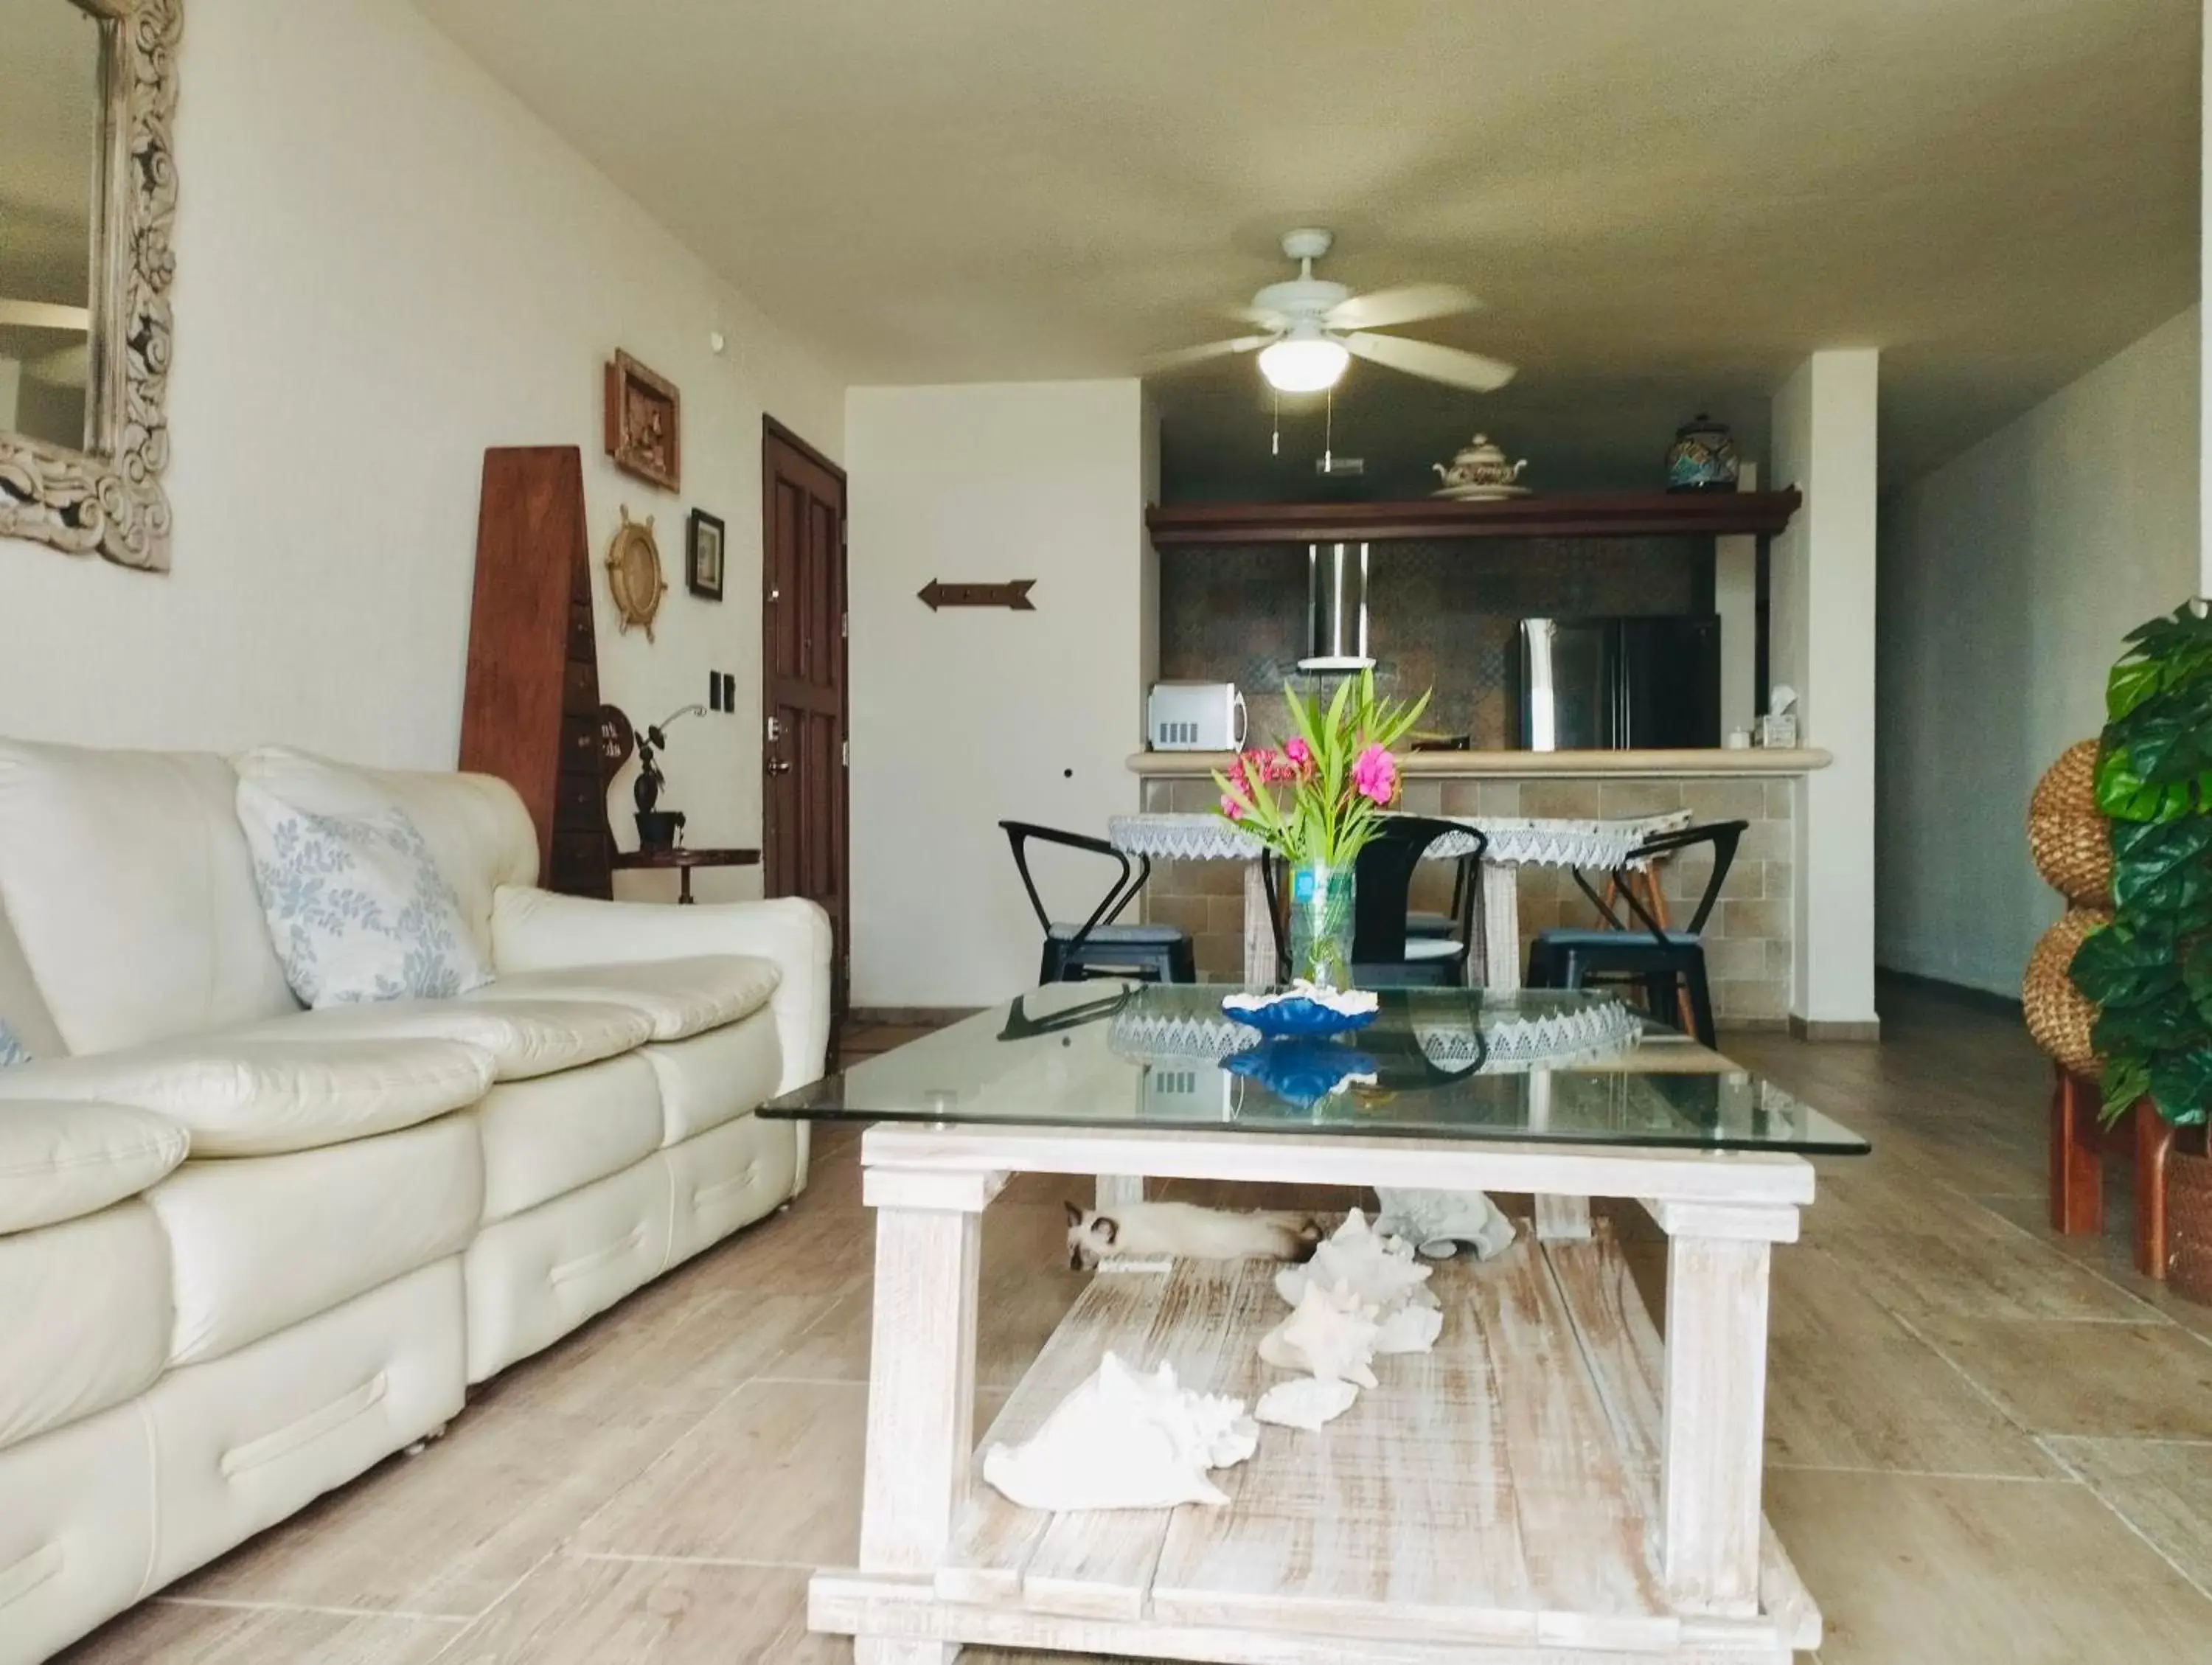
[1716, 1414]
[1117, 1189]
[921, 1396]
[1562, 1219]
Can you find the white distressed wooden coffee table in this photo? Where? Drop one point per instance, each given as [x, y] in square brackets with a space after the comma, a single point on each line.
[1553, 1483]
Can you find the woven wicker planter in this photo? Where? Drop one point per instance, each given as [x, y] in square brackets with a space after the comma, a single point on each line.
[2189, 1223]
[2057, 1015]
[2069, 841]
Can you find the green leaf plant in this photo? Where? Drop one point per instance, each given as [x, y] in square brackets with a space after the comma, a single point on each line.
[2149, 972]
[1320, 798]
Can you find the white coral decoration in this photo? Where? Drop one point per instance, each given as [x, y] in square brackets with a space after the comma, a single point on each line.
[1125, 1440]
[1409, 1330]
[1331, 1336]
[1378, 1269]
[1305, 1402]
[1438, 1222]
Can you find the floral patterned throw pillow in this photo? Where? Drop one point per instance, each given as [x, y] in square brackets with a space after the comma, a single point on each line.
[356, 906]
[12, 1050]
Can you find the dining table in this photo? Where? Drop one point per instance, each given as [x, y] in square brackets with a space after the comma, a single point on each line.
[1512, 842]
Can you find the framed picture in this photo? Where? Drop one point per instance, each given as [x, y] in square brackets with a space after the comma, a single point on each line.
[644, 423]
[703, 563]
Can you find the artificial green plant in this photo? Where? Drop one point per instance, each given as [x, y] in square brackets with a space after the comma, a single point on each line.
[2150, 971]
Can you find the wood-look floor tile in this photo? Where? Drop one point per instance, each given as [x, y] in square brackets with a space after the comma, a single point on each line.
[682, 1345]
[578, 1611]
[772, 1475]
[1910, 1570]
[2127, 1380]
[2109, 1253]
[447, 1531]
[188, 1633]
[1848, 1386]
[2162, 1488]
[823, 1244]
[1976, 1265]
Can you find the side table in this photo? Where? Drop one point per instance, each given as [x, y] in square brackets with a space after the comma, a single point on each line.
[683, 861]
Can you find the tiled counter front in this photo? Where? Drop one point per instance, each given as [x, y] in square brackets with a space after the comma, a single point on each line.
[1748, 941]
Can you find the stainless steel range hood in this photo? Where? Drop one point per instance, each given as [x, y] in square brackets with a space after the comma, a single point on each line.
[1336, 608]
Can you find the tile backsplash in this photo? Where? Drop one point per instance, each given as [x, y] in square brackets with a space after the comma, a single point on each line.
[1441, 614]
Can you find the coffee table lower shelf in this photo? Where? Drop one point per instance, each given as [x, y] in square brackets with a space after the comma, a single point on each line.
[1496, 1500]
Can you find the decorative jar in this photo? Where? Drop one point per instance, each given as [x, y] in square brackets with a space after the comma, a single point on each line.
[1703, 457]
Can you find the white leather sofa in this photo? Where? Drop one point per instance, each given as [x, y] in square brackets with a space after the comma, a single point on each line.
[247, 1251]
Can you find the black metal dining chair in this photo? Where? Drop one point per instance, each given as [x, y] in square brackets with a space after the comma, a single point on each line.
[1101, 946]
[1385, 952]
[1642, 948]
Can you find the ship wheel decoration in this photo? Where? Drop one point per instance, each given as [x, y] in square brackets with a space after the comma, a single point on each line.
[634, 573]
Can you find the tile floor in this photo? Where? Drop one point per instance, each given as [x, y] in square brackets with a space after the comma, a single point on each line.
[1985, 1444]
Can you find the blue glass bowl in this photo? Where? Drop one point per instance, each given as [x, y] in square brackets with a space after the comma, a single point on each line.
[1299, 1017]
[1300, 1071]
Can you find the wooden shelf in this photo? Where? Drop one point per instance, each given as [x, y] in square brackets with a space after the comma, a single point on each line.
[1580, 514]
[1496, 1498]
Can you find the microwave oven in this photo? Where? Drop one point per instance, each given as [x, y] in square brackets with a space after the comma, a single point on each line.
[1195, 716]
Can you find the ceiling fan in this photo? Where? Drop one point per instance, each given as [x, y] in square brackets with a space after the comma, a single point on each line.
[1313, 328]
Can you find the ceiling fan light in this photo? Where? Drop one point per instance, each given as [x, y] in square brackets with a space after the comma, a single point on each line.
[1303, 364]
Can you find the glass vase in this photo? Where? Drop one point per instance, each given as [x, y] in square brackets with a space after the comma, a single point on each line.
[1321, 923]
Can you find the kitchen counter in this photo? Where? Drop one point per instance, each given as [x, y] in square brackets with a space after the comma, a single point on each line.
[1755, 763]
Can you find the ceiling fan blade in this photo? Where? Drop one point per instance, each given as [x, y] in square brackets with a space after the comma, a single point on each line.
[1437, 363]
[1408, 303]
[1180, 357]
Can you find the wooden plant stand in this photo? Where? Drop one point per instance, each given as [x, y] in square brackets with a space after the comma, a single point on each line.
[1553, 1486]
[2078, 1141]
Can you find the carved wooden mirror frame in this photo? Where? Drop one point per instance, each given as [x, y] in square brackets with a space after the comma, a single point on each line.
[107, 499]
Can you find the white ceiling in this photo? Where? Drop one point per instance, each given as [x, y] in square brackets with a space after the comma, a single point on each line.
[1663, 204]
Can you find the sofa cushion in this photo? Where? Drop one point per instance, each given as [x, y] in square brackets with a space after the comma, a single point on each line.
[252, 1097]
[545, 1138]
[84, 1306]
[716, 1076]
[358, 907]
[524, 1038]
[129, 892]
[682, 997]
[60, 1161]
[474, 825]
[260, 1243]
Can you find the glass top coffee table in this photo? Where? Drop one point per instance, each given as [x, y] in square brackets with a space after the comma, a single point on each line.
[1551, 1483]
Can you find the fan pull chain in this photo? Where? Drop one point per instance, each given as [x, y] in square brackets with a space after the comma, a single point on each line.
[1275, 440]
[1328, 431]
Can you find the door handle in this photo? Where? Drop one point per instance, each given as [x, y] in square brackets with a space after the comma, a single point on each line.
[779, 766]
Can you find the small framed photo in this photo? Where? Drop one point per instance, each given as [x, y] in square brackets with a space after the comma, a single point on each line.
[702, 561]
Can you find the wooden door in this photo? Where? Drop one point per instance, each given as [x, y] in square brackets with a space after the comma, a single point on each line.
[803, 800]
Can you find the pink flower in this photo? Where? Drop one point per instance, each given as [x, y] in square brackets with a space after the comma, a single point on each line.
[1232, 807]
[1375, 775]
[1278, 765]
[1300, 757]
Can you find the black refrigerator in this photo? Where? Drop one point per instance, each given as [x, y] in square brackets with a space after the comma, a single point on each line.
[1595, 685]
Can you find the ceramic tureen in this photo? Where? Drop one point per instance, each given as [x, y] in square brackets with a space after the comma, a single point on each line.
[1480, 470]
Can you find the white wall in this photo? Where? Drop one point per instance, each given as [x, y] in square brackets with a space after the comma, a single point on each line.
[963, 717]
[1821, 643]
[2008, 577]
[386, 265]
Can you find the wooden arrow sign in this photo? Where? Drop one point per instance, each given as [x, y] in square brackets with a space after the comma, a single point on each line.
[1013, 595]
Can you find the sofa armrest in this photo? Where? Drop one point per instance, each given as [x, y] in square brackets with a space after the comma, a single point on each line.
[61, 1159]
[534, 930]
